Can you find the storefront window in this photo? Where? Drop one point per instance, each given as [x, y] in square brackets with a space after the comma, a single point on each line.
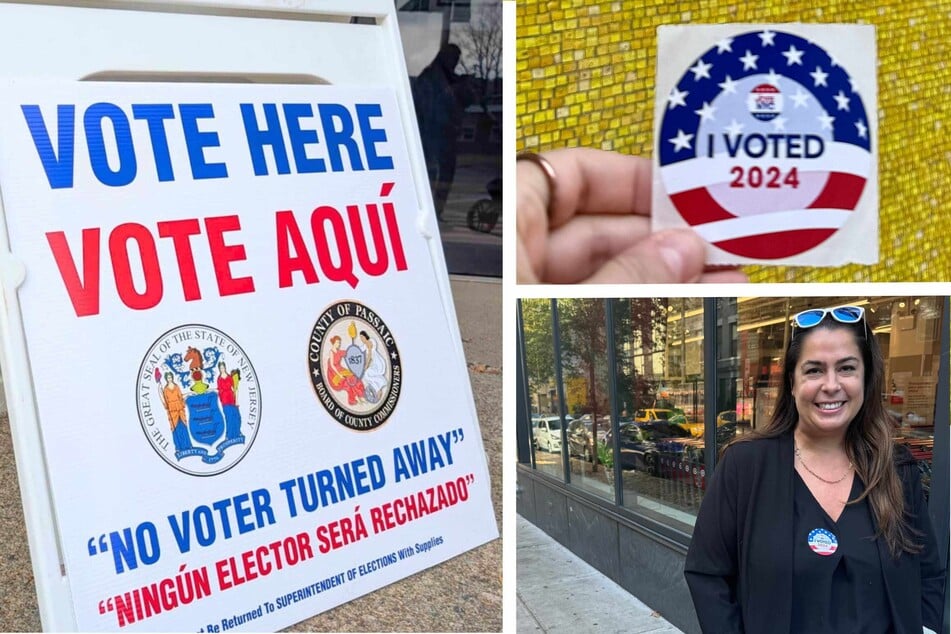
[907, 330]
[453, 51]
[647, 412]
[586, 378]
[660, 387]
[540, 373]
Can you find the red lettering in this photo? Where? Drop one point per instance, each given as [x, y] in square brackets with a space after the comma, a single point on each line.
[223, 255]
[247, 558]
[83, 293]
[393, 228]
[342, 272]
[360, 242]
[263, 564]
[287, 230]
[223, 573]
[180, 231]
[122, 266]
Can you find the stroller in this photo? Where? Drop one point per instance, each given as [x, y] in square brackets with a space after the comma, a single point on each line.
[485, 213]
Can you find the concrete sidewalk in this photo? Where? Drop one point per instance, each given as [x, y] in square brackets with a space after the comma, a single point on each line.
[559, 592]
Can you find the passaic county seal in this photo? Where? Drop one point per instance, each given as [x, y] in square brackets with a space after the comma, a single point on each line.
[198, 399]
[354, 365]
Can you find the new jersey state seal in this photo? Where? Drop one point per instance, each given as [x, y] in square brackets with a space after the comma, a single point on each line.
[198, 399]
[354, 365]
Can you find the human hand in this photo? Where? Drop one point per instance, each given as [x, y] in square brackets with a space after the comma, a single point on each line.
[596, 229]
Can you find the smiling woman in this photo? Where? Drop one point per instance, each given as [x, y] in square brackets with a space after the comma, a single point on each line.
[832, 533]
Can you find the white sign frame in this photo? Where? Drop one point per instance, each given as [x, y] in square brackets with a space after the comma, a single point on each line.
[40, 40]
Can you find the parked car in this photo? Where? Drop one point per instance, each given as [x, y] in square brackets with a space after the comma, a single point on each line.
[652, 415]
[547, 433]
[643, 445]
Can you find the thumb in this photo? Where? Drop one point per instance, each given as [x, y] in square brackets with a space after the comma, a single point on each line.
[671, 256]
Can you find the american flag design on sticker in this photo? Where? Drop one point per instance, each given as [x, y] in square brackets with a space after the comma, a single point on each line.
[764, 145]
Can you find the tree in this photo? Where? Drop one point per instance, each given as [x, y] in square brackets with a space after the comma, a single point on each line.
[480, 41]
[539, 345]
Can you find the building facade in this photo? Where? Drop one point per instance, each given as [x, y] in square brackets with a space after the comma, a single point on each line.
[623, 405]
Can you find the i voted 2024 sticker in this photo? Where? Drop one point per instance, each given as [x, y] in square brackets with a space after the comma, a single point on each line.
[764, 144]
[822, 542]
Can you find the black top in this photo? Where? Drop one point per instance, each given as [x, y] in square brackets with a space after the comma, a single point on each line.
[740, 564]
[837, 574]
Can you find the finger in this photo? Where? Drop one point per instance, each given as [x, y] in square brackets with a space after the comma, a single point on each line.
[724, 276]
[593, 181]
[668, 257]
[578, 249]
[531, 222]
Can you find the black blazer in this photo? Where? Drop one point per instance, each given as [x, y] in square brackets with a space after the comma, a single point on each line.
[739, 566]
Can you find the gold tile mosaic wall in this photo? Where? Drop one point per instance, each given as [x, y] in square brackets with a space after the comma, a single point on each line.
[585, 77]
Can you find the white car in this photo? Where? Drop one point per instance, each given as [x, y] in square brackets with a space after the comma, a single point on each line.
[548, 433]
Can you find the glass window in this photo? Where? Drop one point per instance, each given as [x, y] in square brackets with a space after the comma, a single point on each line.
[659, 381]
[453, 51]
[659, 378]
[907, 331]
[542, 391]
[587, 399]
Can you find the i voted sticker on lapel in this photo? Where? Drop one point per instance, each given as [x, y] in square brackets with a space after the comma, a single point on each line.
[822, 542]
[765, 143]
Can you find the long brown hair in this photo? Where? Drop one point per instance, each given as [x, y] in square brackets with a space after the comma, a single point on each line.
[868, 440]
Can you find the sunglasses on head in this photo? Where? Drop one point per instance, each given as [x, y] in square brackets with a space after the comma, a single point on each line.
[842, 314]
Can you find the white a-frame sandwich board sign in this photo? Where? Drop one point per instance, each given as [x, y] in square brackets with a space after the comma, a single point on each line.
[233, 369]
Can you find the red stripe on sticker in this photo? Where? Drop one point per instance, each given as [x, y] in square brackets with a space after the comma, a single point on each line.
[773, 246]
[842, 191]
[697, 207]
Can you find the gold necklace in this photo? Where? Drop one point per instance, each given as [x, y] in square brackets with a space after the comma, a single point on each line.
[803, 463]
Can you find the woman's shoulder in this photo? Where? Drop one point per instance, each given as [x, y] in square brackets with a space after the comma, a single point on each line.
[755, 448]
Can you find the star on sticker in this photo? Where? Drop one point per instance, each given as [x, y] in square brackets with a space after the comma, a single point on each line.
[842, 101]
[793, 56]
[726, 44]
[835, 62]
[861, 128]
[826, 121]
[316, 373]
[393, 356]
[773, 78]
[819, 77]
[676, 98]
[728, 85]
[706, 112]
[749, 61]
[852, 84]
[681, 141]
[734, 128]
[779, 123]
[702, 69]
[767, 37]
[800, 98]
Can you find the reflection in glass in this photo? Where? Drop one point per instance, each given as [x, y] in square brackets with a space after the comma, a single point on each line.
[453, 53]
[659, 382]
[585, 375]
[542, 392]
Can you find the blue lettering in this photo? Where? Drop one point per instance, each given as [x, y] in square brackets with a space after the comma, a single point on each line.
[372, 136]
[124, 549]
[335, 138]
[258, 138]
[299, 138]
[196, 141]
[58, 165]
[155, 115]
[92, 122]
